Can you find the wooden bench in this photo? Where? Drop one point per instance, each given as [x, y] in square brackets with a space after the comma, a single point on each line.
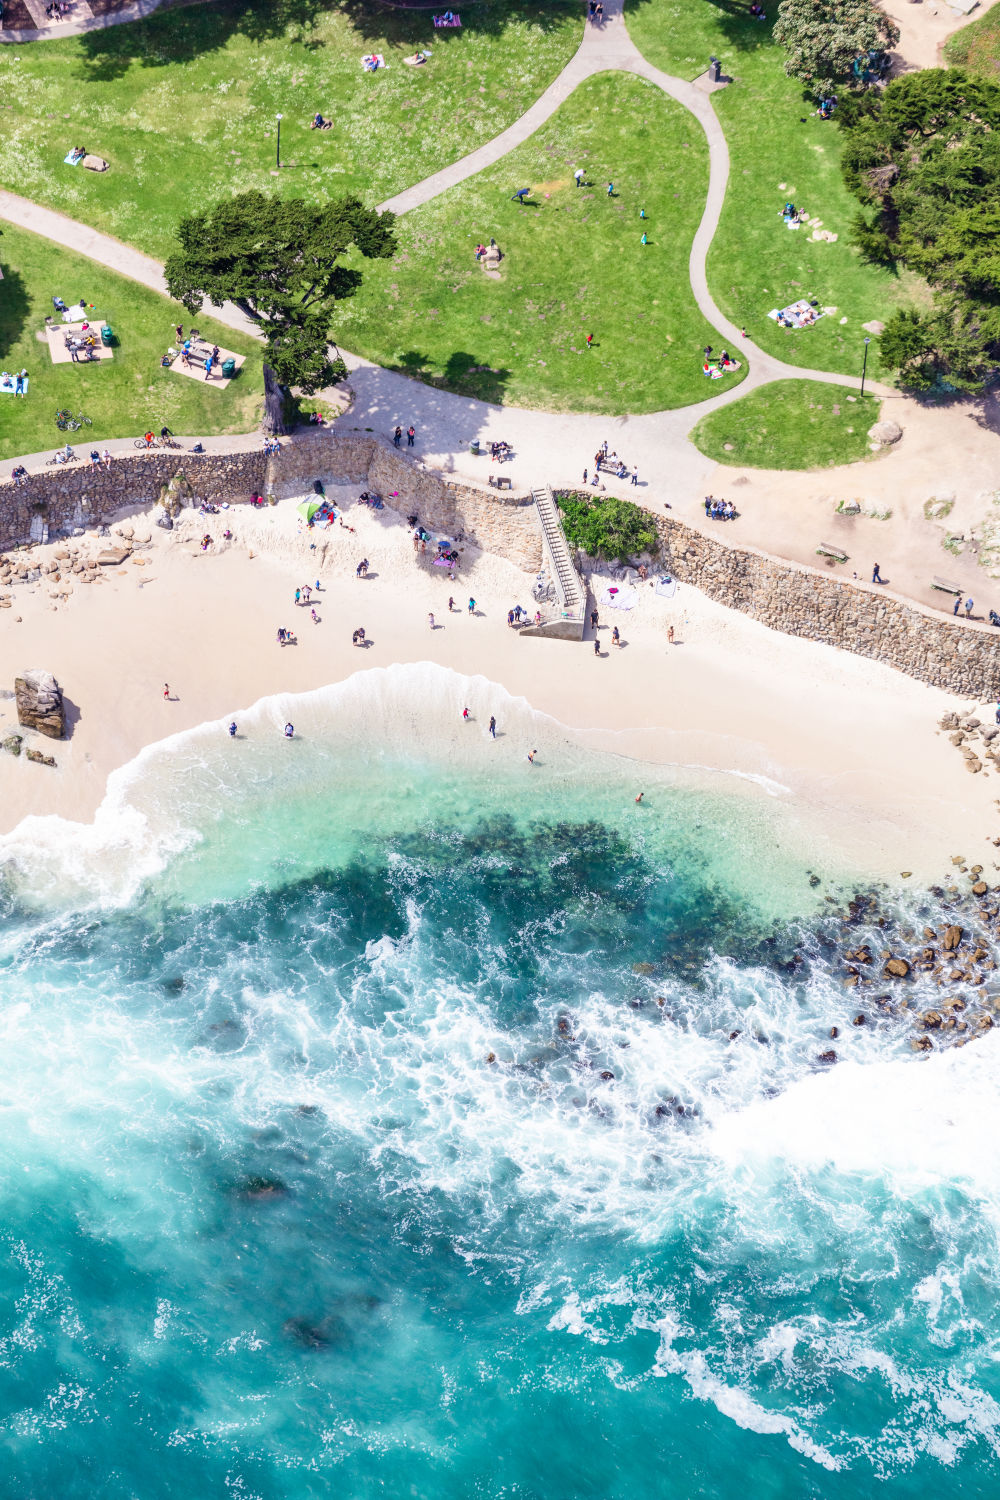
[945, 587]
[499, 482]
[837, 554]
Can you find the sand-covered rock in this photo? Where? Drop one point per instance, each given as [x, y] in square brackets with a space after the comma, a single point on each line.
[39, 703]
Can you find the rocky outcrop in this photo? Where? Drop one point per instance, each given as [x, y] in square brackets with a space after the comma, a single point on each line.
[884, 434]
[40, 703]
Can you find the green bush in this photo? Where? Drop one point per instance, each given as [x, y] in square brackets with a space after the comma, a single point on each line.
[615, 530]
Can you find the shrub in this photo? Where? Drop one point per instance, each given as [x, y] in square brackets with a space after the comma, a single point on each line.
[615, 530]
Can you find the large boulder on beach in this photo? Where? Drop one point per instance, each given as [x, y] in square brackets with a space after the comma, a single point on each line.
[40, 703]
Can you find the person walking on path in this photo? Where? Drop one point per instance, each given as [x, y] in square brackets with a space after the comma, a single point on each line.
[411, 435]
[597, 646]
[397, 436]
[493, 727]
[876, 575]
[593, 619]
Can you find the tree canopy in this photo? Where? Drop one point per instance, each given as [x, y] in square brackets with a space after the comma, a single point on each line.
[825, 38]
[280, 261]
[924, 159]
[612, 529]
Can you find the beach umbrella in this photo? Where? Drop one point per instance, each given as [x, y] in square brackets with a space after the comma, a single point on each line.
[308, 508]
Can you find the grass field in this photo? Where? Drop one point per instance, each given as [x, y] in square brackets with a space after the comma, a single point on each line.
[790, 424]
[977, 47]
[573, 265]
[755, 263]
[183, 105]
[126, 394]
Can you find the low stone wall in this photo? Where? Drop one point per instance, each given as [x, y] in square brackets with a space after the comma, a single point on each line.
[802, 601]
[88, 494]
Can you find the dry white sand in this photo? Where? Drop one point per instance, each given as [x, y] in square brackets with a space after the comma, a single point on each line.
[855, 744]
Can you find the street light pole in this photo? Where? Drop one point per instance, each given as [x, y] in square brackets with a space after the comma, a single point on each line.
[864, 367]
[277, 154]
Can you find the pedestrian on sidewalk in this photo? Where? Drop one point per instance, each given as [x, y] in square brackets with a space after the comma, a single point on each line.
[876, 575]
[411, 435]
[593, 619]
[635, 476]
[397, 436]
[597, 646]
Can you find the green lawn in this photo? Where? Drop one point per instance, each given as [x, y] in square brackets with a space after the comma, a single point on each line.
[183, 105]
[790, 424]
[755, 263]
[977, 47]
[573, 265]
[126, 394]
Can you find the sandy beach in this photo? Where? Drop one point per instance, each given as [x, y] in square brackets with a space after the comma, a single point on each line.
[855, 744]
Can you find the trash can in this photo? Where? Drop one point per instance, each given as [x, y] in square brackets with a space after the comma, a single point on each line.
[228, 369]
[107, 335]
[474, 446]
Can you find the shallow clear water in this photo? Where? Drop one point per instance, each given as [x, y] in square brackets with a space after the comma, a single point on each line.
[275, 1224]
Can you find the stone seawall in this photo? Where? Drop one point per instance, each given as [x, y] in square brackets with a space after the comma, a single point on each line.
[76, 495]
[799, 600]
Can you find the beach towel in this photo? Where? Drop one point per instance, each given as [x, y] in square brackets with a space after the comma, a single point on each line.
[666, 586]
[372, 61]
[618, 598]
[72, 160]
[8, 387]
[798, 314]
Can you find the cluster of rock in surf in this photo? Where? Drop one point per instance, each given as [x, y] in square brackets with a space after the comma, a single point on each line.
[977, 742]
[956, 956]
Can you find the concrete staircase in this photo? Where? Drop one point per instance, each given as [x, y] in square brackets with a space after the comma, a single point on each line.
[570, 589]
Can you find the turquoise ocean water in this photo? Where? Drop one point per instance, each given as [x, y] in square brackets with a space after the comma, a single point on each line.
[372, 1122]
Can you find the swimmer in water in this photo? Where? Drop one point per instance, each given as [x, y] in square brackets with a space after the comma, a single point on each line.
[640, 796]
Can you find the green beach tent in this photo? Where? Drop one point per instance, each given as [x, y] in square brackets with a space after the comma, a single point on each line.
[308, 508]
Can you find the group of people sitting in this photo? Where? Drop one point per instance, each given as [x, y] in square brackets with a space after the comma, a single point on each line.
[716, 368]
[373, 500]
[56, 9]
[720, 510]
[98, 458]
[610, 463]
[500, 452]
[492, 250]
[19, 474]
[82, 345]
[827, 107]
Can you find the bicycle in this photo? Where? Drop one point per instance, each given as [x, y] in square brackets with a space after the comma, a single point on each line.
[141, 443]
[66, 422]
[62, 457]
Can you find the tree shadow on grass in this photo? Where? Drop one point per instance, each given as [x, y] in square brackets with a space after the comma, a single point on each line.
[15, 308]
[463, 375]
[740, 30]
[188, 32]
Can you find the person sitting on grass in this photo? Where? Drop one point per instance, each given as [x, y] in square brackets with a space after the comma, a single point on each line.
[318, 122]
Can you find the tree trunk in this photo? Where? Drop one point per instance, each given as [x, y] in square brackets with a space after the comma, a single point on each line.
[273, 421]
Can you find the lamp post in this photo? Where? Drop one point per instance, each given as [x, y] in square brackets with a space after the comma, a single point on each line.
[277, 154]
[864, 367]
